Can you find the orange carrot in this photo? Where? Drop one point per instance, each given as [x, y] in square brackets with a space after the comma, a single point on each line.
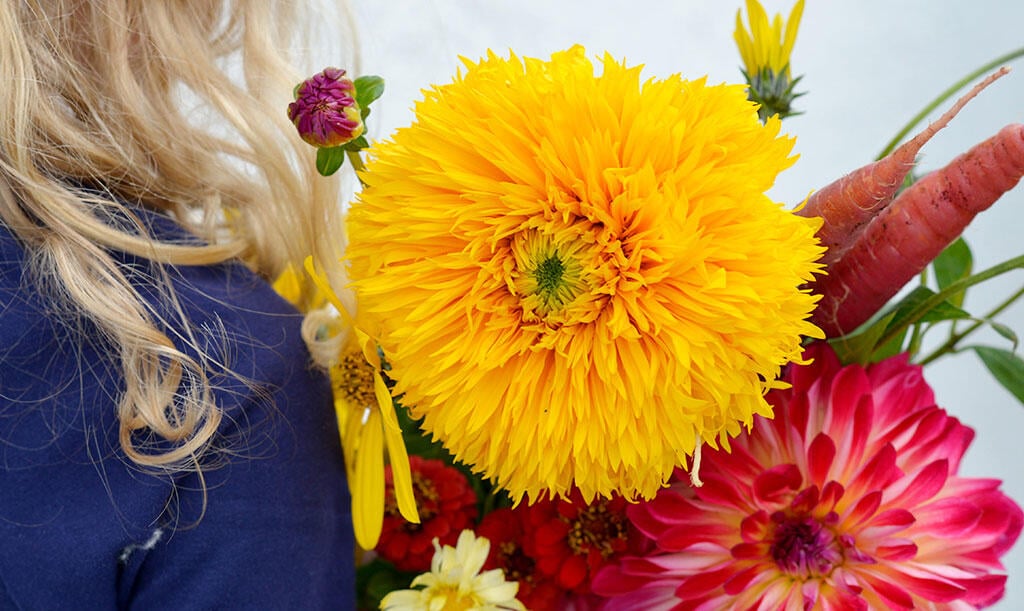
[849, 203]
[904, 238]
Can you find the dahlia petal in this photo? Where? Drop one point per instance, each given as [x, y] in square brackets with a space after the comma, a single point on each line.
[925, 485]
[864, 508]
[805, 500]
[666, 508]
[950, 517]
[896, 517]
[678, 538]
[878, 472]
[714, 492]
[700, 557]
[749, 550]
[754, 527]
[742, 580]
[849, 390]
[936, 436]
[897, 553]
[984, 590]
[831, 494]
[776, 483]
[705, 582]
[861, 431]
[820, 454]
[890, 593]
[937, 590]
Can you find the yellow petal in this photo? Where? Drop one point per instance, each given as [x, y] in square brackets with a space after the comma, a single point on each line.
[368, 499]
[792, 25]
[321, 283]
[401, 474]
[287, 285]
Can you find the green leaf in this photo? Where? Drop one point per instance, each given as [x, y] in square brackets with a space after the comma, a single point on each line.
[329, 159]
[1006, 367]
[884, 336]
[954, 263]
[859, 347]
[1004, 331]
[910, 307]
[368, 89]
[375, 579]
[891, 348]
[356, 145]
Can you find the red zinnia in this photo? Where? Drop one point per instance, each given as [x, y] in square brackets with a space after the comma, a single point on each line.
[571, 540]
[507, 530]
[848, 499]
[554, 547]
[446, 505]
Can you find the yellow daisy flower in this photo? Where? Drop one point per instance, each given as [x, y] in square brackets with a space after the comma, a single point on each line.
[578, 278]
[765, 50]
[366, 414]
[767, 44]
[455, 582]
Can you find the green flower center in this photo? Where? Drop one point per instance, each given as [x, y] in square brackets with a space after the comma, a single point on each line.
[548, 275]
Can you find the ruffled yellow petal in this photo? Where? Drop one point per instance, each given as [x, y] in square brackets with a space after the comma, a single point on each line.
[574, 277]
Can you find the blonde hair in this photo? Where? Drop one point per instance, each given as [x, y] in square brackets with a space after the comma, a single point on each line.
[177, 106]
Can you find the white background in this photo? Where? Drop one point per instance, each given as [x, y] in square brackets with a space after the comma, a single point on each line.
[868, 67]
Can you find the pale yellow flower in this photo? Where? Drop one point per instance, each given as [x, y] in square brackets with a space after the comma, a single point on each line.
[455, 582]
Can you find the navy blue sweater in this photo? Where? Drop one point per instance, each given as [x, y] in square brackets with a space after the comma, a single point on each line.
[82, 527]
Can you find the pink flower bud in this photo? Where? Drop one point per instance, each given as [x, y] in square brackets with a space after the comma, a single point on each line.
[325, 110]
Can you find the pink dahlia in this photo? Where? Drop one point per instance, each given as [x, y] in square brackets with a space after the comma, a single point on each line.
[848, 499]
[325, 110]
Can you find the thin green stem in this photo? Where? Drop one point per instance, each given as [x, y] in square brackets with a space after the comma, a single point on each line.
[945, 95]
[916, 332]
[956, 337]
[926, 305]
[357, 163]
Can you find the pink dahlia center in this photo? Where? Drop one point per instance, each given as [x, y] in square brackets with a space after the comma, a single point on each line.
[804, 546]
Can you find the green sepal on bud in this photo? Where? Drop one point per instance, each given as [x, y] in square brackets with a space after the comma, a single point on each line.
[368, 89]
[773, 92]
[330, 159]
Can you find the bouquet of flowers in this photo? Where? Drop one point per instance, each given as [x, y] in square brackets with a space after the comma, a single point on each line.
[592, 365]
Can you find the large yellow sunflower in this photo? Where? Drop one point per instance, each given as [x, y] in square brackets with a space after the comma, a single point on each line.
[576, 277]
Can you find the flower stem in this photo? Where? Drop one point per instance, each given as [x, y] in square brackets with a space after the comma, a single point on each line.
[926, 305]
[357, 164]
[945, 95]
[955, 338]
